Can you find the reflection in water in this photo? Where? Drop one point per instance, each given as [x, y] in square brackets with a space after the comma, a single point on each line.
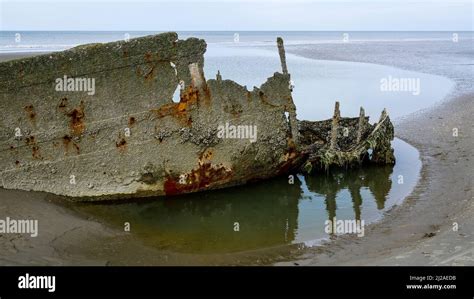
[375, 178]
[267, 214]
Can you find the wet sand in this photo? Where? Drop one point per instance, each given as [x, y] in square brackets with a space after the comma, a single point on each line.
[419, 232]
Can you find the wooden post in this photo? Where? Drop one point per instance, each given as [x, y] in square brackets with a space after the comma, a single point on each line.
[335, 126]
[361, 124]
[281, 51]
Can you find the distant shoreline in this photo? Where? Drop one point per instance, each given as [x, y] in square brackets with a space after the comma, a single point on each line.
[47, 41]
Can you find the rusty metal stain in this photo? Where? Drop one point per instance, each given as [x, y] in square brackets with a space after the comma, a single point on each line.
[121, 144]
[200, 178]
[30, 110]
[62, 104]
[67, 141]
[77, 119]
[125, 53]
[291, 159]
[30, 140]
[138, 71]
[150, 74]
[148, 57]
[35, 152]
[188, 98]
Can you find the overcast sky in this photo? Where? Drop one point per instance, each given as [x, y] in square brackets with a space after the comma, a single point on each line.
[197, 15]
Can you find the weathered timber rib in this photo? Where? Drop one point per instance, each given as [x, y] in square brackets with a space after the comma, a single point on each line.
[346, 141]
[129, 139]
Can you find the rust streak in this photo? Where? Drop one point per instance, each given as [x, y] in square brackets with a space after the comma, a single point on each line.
[77, 119]
[200, 178]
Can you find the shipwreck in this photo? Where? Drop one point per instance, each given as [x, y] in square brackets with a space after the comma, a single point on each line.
[110, 129]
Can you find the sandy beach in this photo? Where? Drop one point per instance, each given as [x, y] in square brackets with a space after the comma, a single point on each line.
[418, 232]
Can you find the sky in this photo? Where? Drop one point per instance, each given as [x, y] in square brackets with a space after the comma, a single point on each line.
[232, 15]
